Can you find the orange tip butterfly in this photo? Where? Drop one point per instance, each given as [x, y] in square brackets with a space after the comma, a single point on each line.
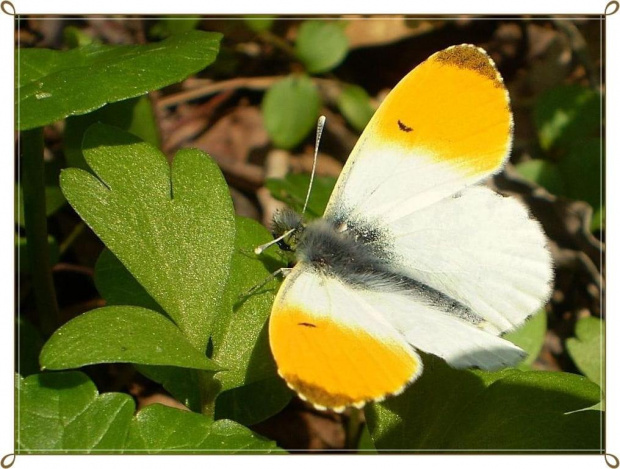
[412, 252]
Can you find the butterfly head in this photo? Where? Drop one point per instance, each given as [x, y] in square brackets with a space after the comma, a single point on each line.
[287, 221]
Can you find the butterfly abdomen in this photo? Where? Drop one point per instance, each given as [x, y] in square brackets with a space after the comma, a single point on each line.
[359, 257]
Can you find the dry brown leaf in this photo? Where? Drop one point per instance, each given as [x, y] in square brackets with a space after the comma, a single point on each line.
[379, 30]
[232, 139]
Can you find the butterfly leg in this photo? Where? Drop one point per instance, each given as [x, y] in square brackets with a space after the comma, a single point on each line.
[283, 271]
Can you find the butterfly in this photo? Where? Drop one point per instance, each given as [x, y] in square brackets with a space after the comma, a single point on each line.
[412, 252]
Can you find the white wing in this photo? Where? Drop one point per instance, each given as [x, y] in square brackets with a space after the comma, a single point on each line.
[480, 249]
[460, 343]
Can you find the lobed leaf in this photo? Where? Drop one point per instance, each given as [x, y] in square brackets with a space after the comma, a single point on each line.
[172, 229]
[52, 85]
[160, 429]
[121, 334]
[63, 412]
[250, 390]
[118, 287]
[133, 115]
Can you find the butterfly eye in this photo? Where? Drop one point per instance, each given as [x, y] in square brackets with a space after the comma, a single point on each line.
[284, 245]
[404, 127]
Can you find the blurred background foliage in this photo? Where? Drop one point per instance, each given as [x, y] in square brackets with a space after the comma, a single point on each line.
[254, 111]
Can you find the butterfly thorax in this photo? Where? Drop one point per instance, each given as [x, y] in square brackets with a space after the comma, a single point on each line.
[357, 254]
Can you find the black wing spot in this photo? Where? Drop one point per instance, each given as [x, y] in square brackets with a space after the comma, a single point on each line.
[404, 127]
[307, 324]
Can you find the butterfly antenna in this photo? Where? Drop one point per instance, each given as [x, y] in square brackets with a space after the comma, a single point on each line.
[259, 249]
[319, 130]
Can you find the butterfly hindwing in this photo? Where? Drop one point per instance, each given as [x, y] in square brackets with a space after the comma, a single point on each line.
[333, 349]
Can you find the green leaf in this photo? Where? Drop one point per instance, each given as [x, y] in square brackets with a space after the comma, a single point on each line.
[174, 24]
[30, 343]
[447, 409]
[173, 230]
[74, 37]
[133, 115]
[293, 188]
[530, 337]
[582, 169]
[567, 114]
[544, 173]
[63, 412]
[160, 429]
[52, 85]
[23, 262]
[121, 334]
[240, 341]
[117, 286]
[354, 104]
[255, 402]
[321, 45]
[365, 444]
[258, 23]
[182, 383]
[291, 109]
[587, 349]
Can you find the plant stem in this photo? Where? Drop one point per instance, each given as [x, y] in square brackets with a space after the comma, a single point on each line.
[33, 184]
[278, 42]
[209, 389]
[77, 231]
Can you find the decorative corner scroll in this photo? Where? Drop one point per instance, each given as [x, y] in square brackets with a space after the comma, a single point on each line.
[9, 459]
[9, 9]
[610, 9]
[610, 459]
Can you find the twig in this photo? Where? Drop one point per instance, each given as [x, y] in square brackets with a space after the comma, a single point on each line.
[253, 83]
[329, 88]
[277, 41]
[80, 269]
[578, 44]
